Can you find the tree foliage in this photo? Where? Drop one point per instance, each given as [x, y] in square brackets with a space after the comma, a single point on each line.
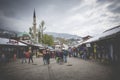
[42, 38]
[30, 32]
[41, 31]
[48, 39]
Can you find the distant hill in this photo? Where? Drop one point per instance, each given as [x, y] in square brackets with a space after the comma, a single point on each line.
[7, 34]
[63, 35]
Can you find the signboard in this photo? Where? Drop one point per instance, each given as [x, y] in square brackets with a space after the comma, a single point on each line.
[11, 41]
[88, 45]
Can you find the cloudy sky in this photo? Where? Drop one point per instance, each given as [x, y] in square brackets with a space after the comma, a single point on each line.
[78, 17]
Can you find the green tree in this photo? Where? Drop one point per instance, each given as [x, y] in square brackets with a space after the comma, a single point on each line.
[39, 36]
[48, 40]
[30, 32]
[40, 31]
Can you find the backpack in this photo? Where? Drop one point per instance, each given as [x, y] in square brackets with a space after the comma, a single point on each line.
[65, 53]
[27, 54]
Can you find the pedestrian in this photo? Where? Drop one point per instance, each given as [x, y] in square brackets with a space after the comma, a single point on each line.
[14, 57]
[75, 52]
[52, 53]
[24, 57]
[3, 58]
[61, 56]
[48, 56]
[57, 56]
[65, 56]
[95, 47]
[70, 51]
[8, 57]
[85, 53]
[44, 57]
[31, 56]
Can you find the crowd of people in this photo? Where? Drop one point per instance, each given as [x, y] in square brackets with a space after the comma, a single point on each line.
[10, 57]
[26, 55]
[59, 55]
[6, 58]
[78, 52]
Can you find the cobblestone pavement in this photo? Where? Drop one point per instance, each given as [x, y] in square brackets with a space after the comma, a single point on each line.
[75, 69]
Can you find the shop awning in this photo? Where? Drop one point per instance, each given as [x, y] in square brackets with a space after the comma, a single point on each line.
[5, 41]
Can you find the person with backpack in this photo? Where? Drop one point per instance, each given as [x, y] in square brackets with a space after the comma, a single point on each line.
[65, 53]
[59, 56]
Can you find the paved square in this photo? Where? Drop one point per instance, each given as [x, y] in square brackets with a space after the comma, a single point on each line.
[75, 69]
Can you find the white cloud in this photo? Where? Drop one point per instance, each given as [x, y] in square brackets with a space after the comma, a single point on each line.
[85, 18]
[89, 20]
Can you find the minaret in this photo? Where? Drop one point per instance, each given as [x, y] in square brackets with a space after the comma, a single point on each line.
[34, 25]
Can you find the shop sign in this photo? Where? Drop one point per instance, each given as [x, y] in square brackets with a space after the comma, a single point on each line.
[88, 45]
[11, 41]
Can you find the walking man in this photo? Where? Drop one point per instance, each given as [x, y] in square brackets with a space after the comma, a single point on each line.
[24, 57]
[44, 57]
[48, 57]
[65, 56]
[31, 56]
